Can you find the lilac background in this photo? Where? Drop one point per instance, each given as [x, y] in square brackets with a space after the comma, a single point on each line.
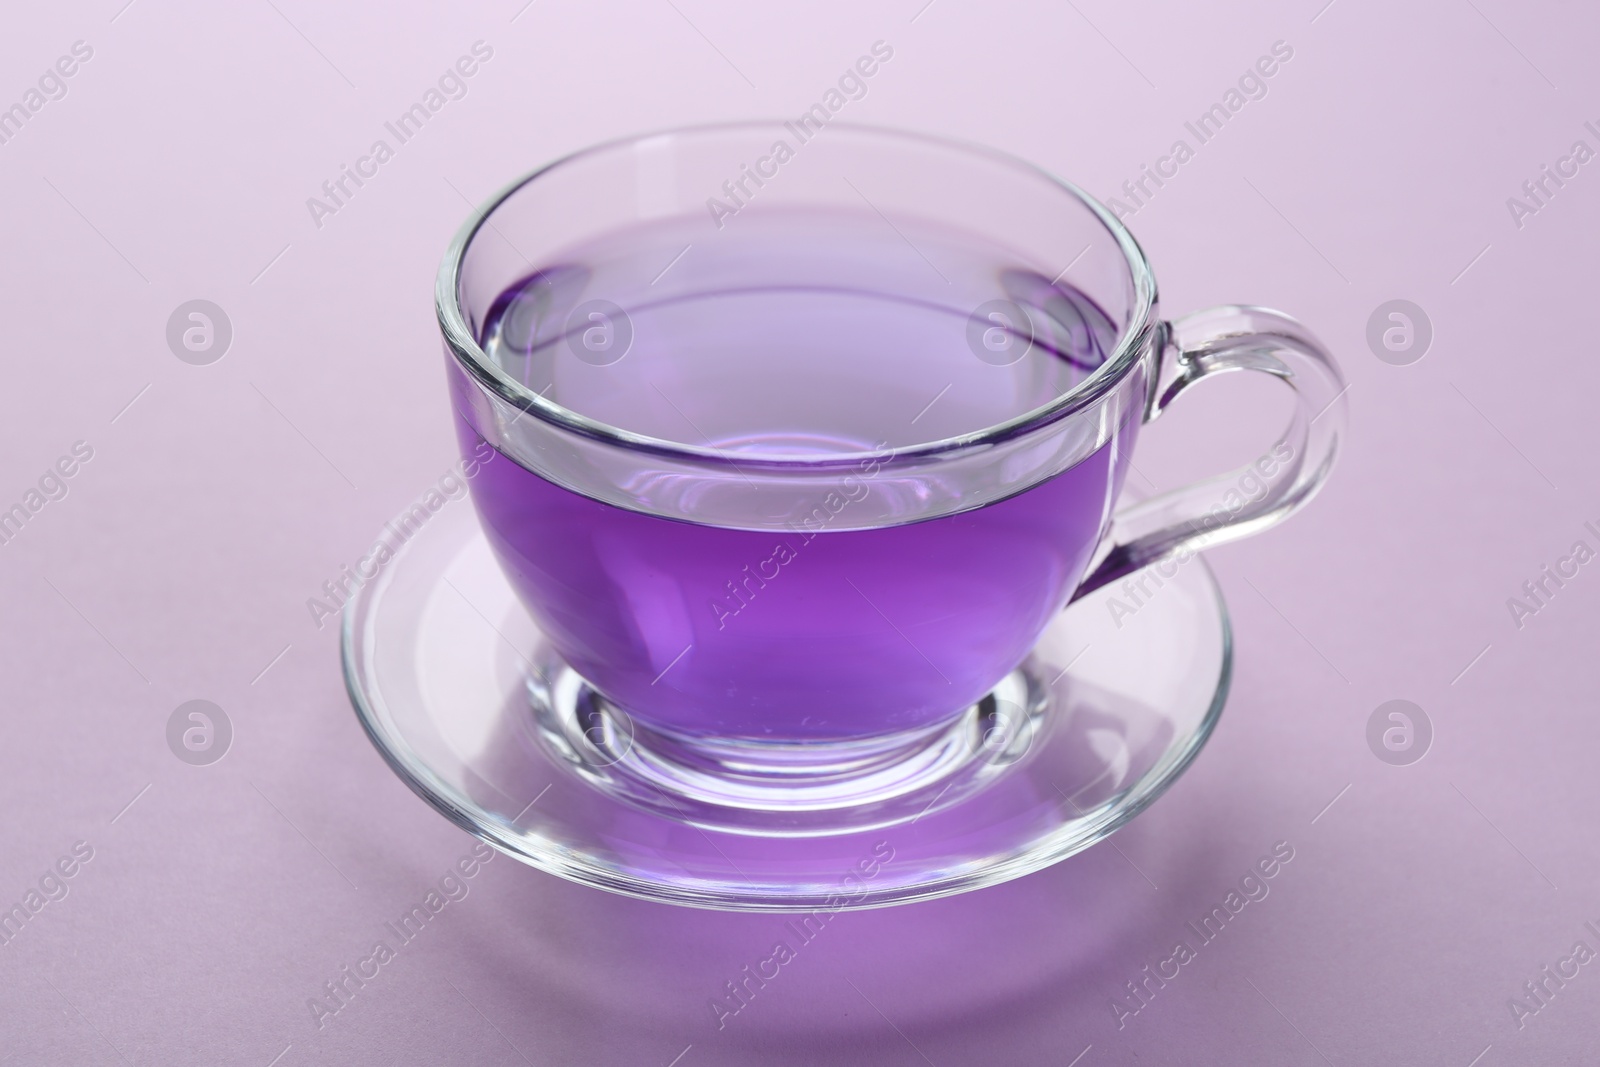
[1377, 167]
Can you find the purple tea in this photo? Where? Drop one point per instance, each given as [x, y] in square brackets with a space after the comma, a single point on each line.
[818, 631]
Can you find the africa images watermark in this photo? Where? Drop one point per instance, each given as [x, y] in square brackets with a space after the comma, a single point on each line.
[1252, 887]
[52, 485]
[1540, 590]
[738, 993]
[452, 485]
[1399, 732]
[852, 85]
[337, 192]
[452, 887]
[1537, 994]
[1252, 85]
[1252, 486]
[51, 85]
[1538, 191]
[52, 888]
[742, 590]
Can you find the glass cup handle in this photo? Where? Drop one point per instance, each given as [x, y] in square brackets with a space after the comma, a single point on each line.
[1260, 494]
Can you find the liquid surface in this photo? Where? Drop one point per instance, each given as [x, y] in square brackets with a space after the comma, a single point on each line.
[795, 334]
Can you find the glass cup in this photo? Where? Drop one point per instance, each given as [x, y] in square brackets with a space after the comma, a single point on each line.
[801, 437]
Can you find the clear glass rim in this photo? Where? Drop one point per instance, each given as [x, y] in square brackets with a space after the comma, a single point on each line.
[463, 344]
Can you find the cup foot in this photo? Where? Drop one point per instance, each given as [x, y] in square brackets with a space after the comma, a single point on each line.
[749, 786]
[1110, 707]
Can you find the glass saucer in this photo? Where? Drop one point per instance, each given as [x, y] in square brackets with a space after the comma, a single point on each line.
[452, 680]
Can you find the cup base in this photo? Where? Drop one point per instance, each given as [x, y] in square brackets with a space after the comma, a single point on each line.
[803, 789]
[465, 699]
